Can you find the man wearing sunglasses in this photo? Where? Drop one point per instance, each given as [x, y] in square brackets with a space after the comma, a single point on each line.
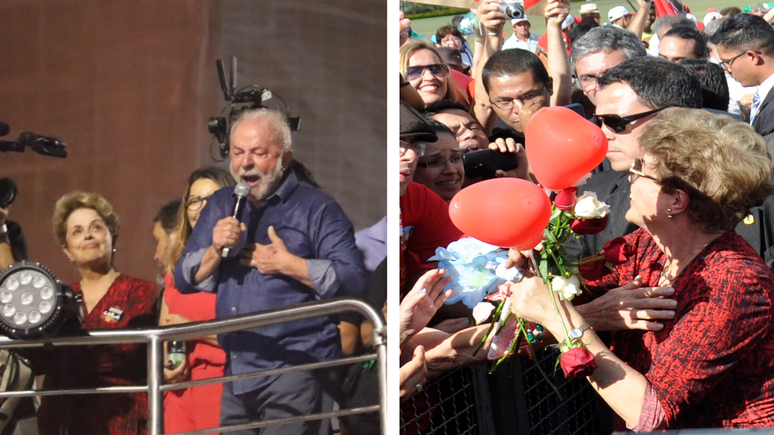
[630, 95]
[745, 47]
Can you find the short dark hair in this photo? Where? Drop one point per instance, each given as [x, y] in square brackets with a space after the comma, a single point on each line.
[447, 30]
[167, 215]
[745, 32]
[714, 87]
[438, 127]
[512, 62]
[730, 11]
[657, 82]
[440, 106]
[672, 21]
[700, 50]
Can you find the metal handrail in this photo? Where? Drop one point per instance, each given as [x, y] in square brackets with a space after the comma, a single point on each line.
[155, 337]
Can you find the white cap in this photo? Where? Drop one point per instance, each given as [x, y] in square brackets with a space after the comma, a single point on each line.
[568, 21]
[711, 16]
[617, 12]
[518, 20]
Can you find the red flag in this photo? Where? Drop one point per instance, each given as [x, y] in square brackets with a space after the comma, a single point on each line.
[665, 7]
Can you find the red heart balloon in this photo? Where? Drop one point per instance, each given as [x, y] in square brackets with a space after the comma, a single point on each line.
[506, 212]
[562, 147]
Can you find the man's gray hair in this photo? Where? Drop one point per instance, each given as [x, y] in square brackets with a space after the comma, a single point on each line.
[606, 39]
[277, 122]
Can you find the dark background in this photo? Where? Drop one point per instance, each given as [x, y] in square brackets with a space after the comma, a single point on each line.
[129, 86]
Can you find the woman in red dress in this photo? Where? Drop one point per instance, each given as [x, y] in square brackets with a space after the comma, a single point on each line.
[198, 407]
[86, 226]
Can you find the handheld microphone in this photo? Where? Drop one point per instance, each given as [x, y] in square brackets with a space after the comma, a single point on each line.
[241, 191]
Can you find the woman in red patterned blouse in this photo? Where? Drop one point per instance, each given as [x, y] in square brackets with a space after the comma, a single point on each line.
[712, 365]
[86, 226]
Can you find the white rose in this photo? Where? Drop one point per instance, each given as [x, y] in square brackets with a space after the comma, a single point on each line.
[589, 207]
[566, 288]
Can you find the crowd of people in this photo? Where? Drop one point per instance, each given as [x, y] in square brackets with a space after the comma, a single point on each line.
[684, 106]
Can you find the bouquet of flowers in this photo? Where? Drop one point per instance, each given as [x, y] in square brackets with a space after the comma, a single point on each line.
[480, 280]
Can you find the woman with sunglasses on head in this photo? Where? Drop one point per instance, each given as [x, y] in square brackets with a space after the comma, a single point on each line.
[422, 66]
[198, 407]
[712, 363]
[86, 226]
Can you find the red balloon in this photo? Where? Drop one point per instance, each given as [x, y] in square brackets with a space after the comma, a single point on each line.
[506, 212]
[562, 147]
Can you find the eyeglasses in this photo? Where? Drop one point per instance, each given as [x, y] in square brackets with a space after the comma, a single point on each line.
[441, 163]
[439, 70]
[588, 80]
[450, 39]
[507, 103]
[619, 123]
[636, 171]
[418, 147]
[726, 63]
[195, 202]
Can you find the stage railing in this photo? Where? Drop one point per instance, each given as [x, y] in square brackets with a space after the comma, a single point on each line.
[155, 338]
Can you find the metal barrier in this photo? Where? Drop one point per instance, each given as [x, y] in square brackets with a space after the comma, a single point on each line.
[155, 338]
[515, 399]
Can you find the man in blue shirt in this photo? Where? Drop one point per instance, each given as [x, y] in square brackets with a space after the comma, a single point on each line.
[293, 245]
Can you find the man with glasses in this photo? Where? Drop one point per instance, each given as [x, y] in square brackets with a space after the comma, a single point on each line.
[630, 95]
[597, 51]
[745, 47]
[518, 85]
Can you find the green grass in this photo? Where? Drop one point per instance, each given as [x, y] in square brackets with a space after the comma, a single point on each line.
[428, 26]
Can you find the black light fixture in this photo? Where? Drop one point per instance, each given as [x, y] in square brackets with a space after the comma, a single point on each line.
[34, 303]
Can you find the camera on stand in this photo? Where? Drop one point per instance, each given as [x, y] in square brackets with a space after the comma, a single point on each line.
[247, 98]
[45, 145]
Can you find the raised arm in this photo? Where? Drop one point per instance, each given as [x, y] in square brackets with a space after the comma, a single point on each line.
[637, 25]
[558, 65]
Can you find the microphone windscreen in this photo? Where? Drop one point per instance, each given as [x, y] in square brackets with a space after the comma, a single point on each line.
[242, 189]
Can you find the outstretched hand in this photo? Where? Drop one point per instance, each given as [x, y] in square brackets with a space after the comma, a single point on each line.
[423, 301]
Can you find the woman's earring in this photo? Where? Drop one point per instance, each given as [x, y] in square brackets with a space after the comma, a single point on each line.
[669, 216]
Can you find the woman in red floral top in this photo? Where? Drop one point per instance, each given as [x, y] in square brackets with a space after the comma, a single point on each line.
[712, 365]
[86, 226]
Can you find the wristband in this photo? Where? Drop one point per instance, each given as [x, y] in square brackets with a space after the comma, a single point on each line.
[492, 33]
[3, 229]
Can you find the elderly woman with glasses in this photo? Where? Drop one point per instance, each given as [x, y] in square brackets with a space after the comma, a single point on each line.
[197, 407]
[712, 364]
[422, 66]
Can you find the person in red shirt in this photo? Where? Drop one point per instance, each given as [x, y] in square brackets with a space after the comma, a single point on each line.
[198, 407]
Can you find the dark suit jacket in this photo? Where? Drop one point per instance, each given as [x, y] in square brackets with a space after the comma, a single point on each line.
[764, 121]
